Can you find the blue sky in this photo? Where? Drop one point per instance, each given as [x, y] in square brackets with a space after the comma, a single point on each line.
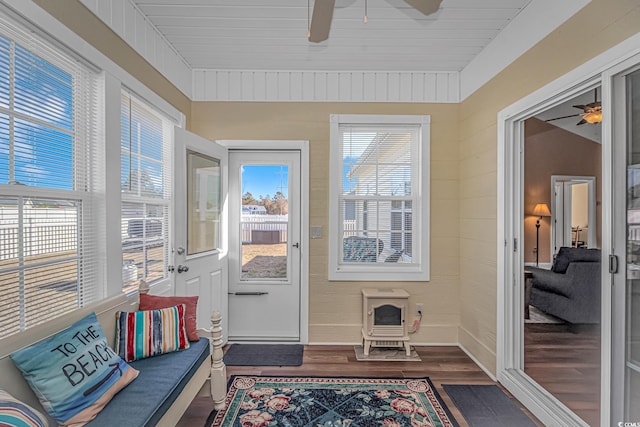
[265, 180]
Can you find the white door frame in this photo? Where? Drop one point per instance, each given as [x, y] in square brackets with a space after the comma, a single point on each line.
[555, 213]
[510, 259]
[278, 306]
[617, 304]
[303, 147]
[510, 354]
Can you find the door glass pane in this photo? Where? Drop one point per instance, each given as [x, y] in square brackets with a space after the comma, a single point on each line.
[203, 203]
[264, 222]
[632, 371]
[561, 329]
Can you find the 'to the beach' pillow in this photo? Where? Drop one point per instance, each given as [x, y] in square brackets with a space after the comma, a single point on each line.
[74, 373]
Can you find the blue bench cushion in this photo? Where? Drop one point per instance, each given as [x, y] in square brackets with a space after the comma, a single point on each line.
[161, 380]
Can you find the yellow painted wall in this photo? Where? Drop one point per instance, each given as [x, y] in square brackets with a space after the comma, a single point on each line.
[335, 307]
[596, 28]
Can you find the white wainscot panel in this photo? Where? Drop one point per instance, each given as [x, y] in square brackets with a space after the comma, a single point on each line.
[329, 86]
[126, 20]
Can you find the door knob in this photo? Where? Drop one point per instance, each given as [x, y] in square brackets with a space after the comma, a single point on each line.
[183, 268]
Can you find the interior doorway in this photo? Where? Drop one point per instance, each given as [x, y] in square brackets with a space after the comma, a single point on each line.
[538, 362]
[615, 71]
[573, 212]
[561, 336]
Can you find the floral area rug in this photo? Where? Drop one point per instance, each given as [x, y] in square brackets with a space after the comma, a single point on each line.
[332, 402]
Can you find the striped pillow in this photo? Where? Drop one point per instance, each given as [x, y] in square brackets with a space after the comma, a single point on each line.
[15, 413]
[141, 334]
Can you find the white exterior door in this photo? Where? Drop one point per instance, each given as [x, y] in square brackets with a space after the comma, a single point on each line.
[264, 246]
[200, 224]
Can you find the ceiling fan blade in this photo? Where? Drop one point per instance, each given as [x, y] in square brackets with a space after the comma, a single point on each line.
[563, 117]
[581, 122]
[426, 7]
[321, 20]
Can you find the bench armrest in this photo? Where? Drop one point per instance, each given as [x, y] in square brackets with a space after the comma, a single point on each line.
[218, 378]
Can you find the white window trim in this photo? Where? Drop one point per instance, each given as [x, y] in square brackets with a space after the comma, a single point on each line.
[378, 272]
[115, 79]
[165, 283]
[87, 169]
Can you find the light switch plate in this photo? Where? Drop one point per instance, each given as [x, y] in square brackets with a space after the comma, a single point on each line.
[316, 232]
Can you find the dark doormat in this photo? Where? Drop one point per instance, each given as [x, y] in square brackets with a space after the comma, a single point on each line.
[486, 406]
[264, 355]
[210, 418]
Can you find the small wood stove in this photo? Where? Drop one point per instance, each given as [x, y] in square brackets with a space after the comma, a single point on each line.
[383, 319]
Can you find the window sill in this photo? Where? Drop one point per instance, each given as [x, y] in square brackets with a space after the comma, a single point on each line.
[379, 274]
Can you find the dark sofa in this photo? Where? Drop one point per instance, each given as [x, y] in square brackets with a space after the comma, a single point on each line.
[571, 289]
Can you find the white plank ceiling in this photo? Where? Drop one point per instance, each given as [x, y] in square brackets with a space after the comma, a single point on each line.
[272, 35]
[257, 50]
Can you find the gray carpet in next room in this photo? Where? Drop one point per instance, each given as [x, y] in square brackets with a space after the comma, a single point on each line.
[486, 406]
[264, 355]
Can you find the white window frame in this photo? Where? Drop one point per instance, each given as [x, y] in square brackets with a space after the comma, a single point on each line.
[418, 269]
[87, 173]
[114, 79]
[165, 202]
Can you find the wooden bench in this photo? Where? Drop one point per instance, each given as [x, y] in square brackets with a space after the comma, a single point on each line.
[190, 383]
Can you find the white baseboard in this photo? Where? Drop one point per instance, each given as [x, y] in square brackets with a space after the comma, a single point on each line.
[477, 362]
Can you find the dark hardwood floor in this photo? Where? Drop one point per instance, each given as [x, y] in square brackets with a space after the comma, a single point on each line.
[565, 360]
[443, 365]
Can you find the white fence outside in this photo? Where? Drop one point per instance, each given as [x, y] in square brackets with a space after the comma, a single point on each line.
[252, 223]
[45, 231]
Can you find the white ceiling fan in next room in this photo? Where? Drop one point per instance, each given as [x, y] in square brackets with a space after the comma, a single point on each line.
[323, 13]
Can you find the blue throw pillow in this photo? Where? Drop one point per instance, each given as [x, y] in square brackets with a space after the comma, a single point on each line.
[74, 373]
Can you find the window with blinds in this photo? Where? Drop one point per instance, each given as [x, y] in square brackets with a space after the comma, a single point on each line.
[379, 196]
[146, 146]
[50, 145]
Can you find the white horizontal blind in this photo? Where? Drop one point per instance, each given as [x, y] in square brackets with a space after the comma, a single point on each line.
[379, 164]
[50, 146]
[146, 147]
